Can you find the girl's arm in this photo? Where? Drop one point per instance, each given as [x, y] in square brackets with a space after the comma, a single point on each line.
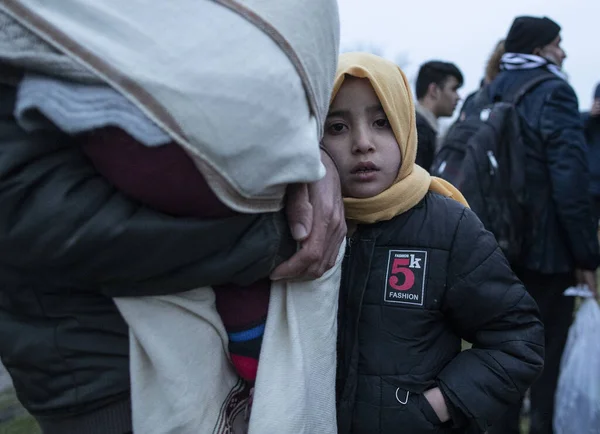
[488, 306]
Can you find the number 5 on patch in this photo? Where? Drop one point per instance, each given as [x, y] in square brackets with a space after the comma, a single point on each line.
[405, 279]
[399, 266]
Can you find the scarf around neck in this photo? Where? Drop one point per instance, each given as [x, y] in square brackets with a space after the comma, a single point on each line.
[519, 61]
[413, 182]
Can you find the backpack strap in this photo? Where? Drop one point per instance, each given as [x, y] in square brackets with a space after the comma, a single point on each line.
[515, 97]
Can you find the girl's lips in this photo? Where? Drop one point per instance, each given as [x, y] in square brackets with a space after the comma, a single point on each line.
[365, 175]
[366, 166]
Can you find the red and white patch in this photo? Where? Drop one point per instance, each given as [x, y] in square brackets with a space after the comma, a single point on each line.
[405, 278]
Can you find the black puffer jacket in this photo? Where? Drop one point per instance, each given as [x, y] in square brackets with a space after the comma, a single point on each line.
[561, 230]
[412, 288]
[69, 243]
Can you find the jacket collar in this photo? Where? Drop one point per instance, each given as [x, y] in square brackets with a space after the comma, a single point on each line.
[428, 115]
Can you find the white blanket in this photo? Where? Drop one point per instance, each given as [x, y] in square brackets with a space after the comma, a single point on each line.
[182, 381]
[230, 98]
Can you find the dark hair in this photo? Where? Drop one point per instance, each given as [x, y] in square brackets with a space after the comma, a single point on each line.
[436, 72]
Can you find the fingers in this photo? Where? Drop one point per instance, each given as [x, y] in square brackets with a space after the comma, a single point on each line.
[588, 278]
[299, 211]
[318, 252]
[335, 236]
[316, 217]
[333, 230]
[307, 263]
[591, 282]
[297, 266]
[322, 245]
[328, 260]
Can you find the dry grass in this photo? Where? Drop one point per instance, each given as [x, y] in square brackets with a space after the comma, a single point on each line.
[14, 418]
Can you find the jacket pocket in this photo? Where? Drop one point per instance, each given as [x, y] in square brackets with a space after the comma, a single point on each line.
[389, 409]
[406, 415]
[428, 410]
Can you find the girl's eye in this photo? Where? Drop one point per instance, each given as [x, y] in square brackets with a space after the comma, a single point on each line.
[336, 128]
[382, 123]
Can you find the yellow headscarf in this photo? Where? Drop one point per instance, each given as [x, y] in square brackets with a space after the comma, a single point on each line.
[413, 182]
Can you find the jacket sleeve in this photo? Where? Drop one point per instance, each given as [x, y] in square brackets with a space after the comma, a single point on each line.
[63, 224]
[426, 145]
[566, 151]
[488, 306]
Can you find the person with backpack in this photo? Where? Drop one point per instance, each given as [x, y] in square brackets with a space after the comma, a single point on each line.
[437, 93]
[559, 244]
[591, 125]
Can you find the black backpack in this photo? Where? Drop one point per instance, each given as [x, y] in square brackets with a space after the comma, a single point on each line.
[483, 155]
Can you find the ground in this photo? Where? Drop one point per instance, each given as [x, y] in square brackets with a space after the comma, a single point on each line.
[13, 418]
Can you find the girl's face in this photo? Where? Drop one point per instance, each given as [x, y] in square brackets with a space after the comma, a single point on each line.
[361, 141]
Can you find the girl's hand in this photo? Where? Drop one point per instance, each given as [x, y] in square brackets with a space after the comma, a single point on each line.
[438, 403]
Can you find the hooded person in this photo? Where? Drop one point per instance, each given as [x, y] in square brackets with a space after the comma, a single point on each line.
[155, 114]
[420, 274]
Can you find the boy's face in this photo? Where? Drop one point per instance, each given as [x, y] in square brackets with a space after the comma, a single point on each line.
[553, 52]
[447, 97]
[361, 141]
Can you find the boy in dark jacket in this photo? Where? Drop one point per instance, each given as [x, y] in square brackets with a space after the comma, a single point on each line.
[421, 273]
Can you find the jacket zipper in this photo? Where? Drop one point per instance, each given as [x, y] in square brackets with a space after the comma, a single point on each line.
[349, 241]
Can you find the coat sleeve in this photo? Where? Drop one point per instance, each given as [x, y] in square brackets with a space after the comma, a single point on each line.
[63, 224]
[488, 306]
[566, 152]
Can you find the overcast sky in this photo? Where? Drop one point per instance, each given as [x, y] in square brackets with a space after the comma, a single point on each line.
[465, 32]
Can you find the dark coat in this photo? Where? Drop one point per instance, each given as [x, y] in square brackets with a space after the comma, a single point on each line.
[412, 287]
[560, 234]
[427, 139]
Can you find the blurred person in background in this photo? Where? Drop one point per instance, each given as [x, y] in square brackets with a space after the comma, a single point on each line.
[437, 94]
[560, 247]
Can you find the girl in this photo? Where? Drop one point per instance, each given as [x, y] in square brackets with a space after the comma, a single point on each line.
[421, 273]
